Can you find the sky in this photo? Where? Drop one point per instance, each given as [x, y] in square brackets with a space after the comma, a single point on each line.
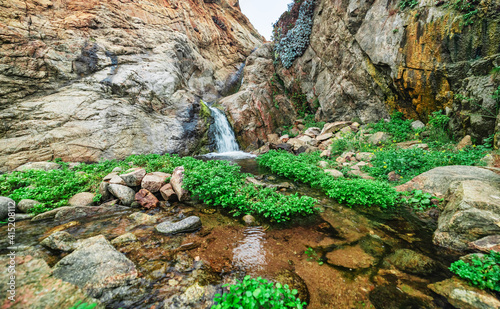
[263, 13]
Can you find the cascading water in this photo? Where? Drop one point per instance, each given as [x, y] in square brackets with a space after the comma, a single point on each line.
[224, 136]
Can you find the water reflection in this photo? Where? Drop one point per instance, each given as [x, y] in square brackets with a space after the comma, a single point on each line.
[250, 254]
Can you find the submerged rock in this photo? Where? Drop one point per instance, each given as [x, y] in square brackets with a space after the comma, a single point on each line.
[60, 240]
[125, 238]
[352, 257]
[95, 265]
[193, 297]
[189, 224]
[294, 281]
[412, 262]
[87, 211]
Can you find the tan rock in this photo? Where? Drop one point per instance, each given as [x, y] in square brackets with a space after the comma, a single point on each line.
[273, 138]
[466, 141]
[324, 137]
[168, 193]
[82, 199]
[350, 257]
[177, 182]
[154, 181]
[335, 126]
[334, 173]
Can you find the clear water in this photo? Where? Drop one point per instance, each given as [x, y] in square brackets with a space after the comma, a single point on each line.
[225, 139]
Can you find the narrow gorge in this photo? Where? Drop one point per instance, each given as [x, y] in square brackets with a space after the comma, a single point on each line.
[165, 154]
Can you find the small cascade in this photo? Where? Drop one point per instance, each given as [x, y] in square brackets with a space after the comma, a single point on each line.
[224, 136]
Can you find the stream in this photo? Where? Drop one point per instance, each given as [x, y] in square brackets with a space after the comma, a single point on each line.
[338, 258]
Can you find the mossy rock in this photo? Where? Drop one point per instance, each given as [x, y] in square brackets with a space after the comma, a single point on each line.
[412, 262]
[294, 281]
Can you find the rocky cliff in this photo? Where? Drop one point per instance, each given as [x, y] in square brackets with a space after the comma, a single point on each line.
[84, 80]
[367, 58]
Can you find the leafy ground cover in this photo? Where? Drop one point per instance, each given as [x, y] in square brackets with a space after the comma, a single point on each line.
[217, 183]
[482, 271]
[258, 293]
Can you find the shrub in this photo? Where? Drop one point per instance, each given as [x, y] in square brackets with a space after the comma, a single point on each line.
[295, 42]
[361, 192]
[483, 272]
[258, 293]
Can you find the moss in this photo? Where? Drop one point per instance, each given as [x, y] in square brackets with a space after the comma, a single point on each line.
[205, 111]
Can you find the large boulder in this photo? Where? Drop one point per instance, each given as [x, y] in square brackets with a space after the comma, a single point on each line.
[189, 224]
[463, 296]
[125, 194]
[76, 212]
[37, 288]
[438, 180]
[96, 266]
[472, 211]
[177, 183]
[6, 205]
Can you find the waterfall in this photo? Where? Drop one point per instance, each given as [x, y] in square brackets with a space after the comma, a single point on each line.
[224, 136]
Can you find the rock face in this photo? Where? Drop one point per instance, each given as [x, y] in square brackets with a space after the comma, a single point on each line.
[255, 111]
[105, 79]
[472, 212]
[368, 57]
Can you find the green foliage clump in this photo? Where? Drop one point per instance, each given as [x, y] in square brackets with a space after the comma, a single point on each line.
[220, 183]
[214, 182]
[414, 161]
[258, 294]
[419, 200]
[295, 42]
[468, 9]
[310, 122]
[483, 272]
[398, 127]
[496, 95]
[361, 192]
[408, 4]
[352, 192]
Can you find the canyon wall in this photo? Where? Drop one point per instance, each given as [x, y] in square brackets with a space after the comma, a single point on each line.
[85, 80]
[367, 58]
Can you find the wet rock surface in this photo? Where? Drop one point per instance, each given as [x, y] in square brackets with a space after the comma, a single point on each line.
[462, 295]
[189, 224]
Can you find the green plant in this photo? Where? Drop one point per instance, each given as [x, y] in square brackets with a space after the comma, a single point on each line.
[398, 127]
[80, 305]
[395, 30]
[483, 272]
[257, 294]
[496, 95]
[408, 4]
[312, 255]
[362, 192]
[414, 161]
[419, 200]
[468, 9]
[439, 132]
[310, 122]
[352, 192]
